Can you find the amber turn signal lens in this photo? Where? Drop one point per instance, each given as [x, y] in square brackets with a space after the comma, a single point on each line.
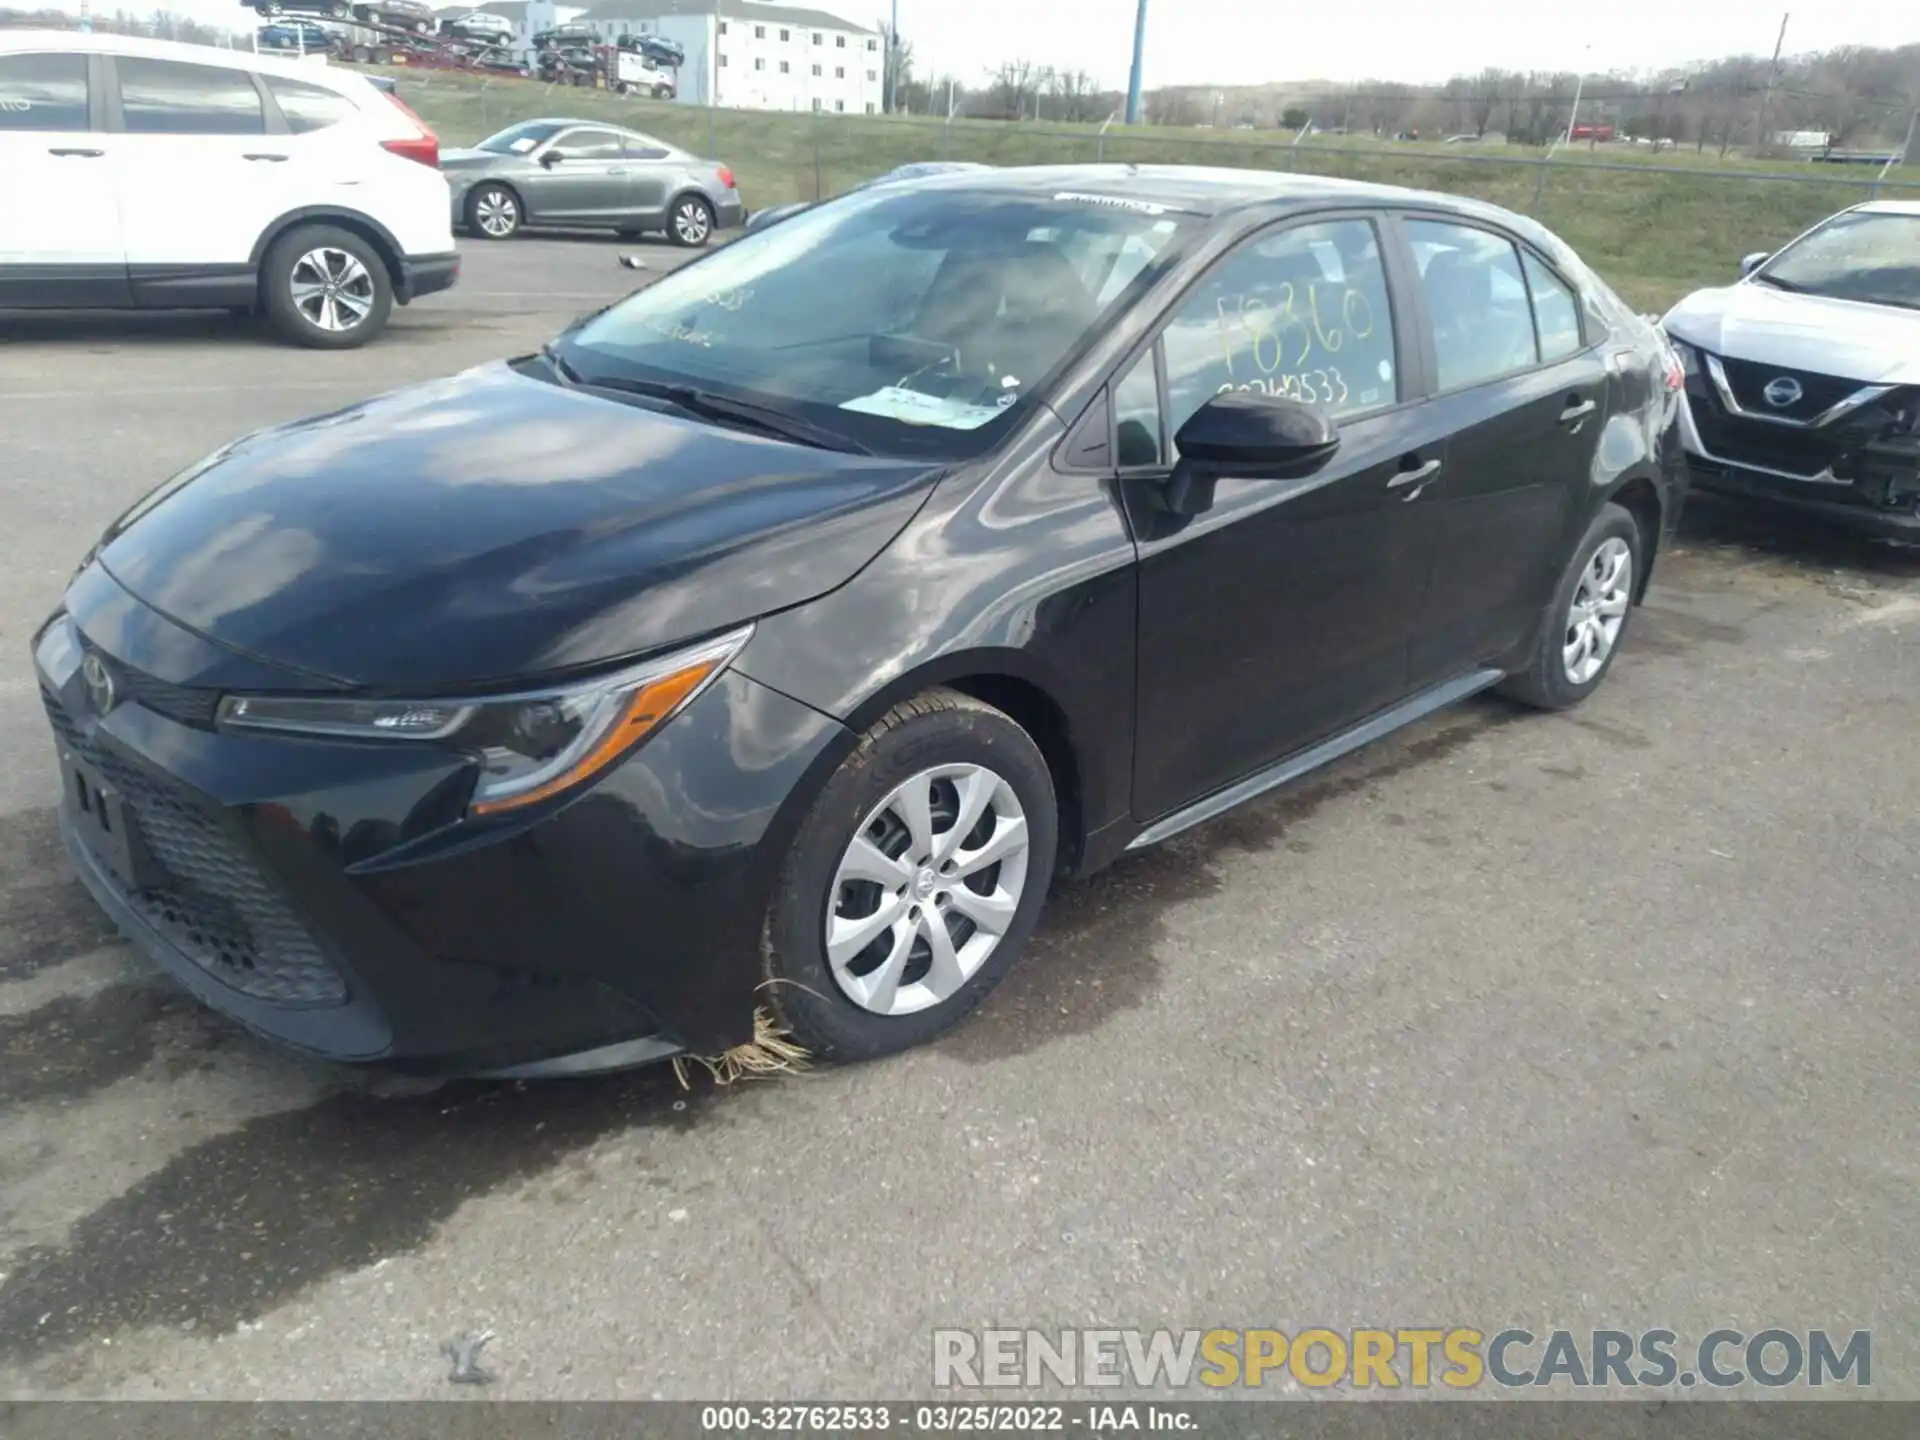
[639, 712]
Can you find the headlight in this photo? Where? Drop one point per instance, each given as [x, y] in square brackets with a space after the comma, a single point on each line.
[530, 746]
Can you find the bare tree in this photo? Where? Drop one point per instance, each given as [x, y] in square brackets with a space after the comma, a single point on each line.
[1172, 107]
[1075, 97]
[1011, 88]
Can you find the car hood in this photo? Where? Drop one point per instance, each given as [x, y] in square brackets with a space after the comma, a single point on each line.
[1874, 344]
[490, 527]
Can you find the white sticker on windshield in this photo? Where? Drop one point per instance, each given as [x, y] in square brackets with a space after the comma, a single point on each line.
[914, 408]
[523, 144]
[1118, 202]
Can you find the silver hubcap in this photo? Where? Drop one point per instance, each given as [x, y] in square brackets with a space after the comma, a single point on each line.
[496, 212]
[927, 889]
[1598, 611]
[332, 289]
[690, 221]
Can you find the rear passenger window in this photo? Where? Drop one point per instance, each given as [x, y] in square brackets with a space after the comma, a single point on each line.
[43, 92]
[1477, 298]
[1555, 315]
[165, 97]
[307, 107]
[1300, 312]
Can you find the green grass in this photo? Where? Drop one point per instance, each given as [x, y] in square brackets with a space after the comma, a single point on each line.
[1655, 235]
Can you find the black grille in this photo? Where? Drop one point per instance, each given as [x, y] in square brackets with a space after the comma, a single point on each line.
[218, 907]
[1818, 393]
[1754, 442]
[178, 702]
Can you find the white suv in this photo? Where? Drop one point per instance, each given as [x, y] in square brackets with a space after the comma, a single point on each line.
[145, 174]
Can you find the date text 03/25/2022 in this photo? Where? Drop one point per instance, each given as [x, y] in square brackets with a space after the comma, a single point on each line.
[979, 1418]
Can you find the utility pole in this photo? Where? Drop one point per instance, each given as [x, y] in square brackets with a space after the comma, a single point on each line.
[1766, 96]
[893, 60]
[1139, 53]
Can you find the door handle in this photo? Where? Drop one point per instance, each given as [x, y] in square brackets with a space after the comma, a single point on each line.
[1417, 477]
[1577, 411]
[263, 157]
[618, 170]
[78, 154]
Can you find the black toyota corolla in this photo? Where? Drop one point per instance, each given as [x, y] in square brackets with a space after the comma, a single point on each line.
[776, 638]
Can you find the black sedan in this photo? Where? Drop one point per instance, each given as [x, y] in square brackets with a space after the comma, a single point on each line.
[776, 638]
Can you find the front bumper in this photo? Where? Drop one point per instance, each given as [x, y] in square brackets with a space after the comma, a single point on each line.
[427, 275]
[1836, 500]
[335, 898]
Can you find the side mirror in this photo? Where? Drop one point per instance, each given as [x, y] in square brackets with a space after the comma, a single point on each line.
[1250, 436]
[1751, 263]
[552, 158]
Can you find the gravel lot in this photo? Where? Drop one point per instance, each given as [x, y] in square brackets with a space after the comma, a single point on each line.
[1600, 1019]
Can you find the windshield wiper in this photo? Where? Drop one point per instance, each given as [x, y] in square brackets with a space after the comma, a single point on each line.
[550, 353]
[723, 408]
[1762, 278]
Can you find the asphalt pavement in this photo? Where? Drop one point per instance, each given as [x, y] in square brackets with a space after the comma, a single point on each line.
[1602, 1019]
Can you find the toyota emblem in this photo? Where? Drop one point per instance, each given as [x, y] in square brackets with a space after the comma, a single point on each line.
[99, 682]
[1783, 391]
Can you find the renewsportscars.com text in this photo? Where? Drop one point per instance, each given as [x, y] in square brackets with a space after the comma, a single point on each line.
[1460, 1358]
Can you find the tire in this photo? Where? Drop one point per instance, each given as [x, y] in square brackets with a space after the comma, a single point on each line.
[812, 991]
[1553, 680]
[310, 255]
[691, 224]
[661, 92]
[498, 206]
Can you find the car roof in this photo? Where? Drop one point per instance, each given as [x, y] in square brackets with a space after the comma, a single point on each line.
[99, 42]
[1891, 207]
[1205, 191]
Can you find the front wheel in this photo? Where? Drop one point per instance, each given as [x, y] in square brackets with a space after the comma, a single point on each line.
[692, 222]
[914, 881]
[326, 288]
[1587, 617]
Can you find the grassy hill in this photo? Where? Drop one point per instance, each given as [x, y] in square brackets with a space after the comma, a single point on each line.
[1654, 233]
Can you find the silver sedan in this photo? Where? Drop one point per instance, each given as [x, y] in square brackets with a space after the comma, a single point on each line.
[587, 174]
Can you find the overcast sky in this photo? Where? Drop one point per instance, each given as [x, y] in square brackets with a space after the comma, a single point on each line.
[1242, 42]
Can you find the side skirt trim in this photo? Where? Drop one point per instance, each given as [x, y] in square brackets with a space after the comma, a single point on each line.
[1283, 772]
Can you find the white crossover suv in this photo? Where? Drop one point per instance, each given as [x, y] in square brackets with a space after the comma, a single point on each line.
[143, 174]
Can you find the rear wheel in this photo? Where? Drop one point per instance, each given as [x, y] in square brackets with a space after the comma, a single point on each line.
[914, 881]
[493, 212]
[1587, 617]
[692, 222]
[326, 288]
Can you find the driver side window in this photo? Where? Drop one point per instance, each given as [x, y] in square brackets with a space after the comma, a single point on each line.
[1300, 312]
[589, 145]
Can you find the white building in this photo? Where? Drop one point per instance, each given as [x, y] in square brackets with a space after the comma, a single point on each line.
[757, 55]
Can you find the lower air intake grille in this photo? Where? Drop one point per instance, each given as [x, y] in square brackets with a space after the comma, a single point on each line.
[218, 907]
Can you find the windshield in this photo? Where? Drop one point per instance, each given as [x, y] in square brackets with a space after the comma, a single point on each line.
[1862, 256]
[519, 139]
[922, 323]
